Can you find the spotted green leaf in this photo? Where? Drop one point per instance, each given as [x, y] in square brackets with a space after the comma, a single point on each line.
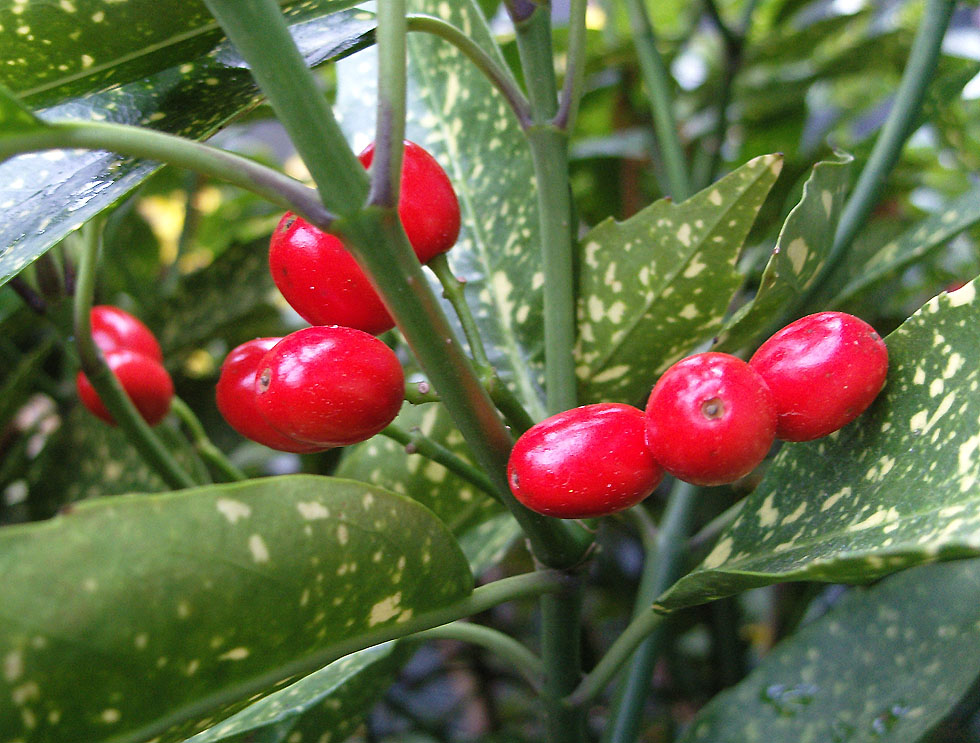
[15, 117]
[917, 242]
[50, 51]
[801, 251]
[911, 645]
[655, 286]
[458, 116]
[206, 597]
[898, 487]
[45, 196]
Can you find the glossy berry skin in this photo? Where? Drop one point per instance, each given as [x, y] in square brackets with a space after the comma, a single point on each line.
[584, 462]
[237, 400]
[710, 419]
[824, 370]
[114, 329]
[427, 203]
[321, 280]
[329, 386]
[145, 381]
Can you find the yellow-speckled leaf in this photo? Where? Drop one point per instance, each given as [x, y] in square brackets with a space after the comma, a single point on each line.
[458, 116]
[887, 663]
[655, 286]
[50, 51]
[177, 608]
[801, 251]
[898, 487]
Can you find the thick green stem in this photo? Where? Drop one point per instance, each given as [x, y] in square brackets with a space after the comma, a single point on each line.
[201, 158]
[482, 598]
[104, 382]
[561, 628]
[571, 92]
[259, 31]
[534, 47]
[386, 165]
[203, 445]
[502, 646]
[661, 567]
[919, 72]
[659, 88]
[416, 442]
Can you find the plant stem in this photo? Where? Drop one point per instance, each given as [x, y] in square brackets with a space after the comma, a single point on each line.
[659, 88]
[420, 393]
[561, 628]
[574, 68]
[422, 444]
[709, 533]
[106, 385]
[386, 166]
[482, 598]
[919, 71]
[661, 567]
[203, 445]
[501, 645]
[498, 76]
[31, 298]
[201, 158]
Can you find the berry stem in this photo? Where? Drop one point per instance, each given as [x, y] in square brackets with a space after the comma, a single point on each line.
[501, 645]
[419, 393]
[422, 444]
[386, 166]
[104, 381]
[203, 445]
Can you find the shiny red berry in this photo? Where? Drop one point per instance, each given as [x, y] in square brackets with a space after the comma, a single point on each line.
[329, 386]
[145, 381]
[588, 461]
[237, 400]
[114, 329]
[321, 280]
[824, 370]
[710, 419]
[427, 203]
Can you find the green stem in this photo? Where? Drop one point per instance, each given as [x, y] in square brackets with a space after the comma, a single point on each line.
[482, 598]
[104, 382]
[534, 47]
[35, 302]
[202, 444]
[661, 567]
[706, 537]
[501, 645]
[386, 166]
[201, 158]
[574, 68]
[919, 71]
[422, 444]
[498, 76]
[508, 403]
[420, 393]
[659, 88]
[561, 629]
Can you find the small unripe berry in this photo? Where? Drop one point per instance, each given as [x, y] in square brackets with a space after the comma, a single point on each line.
[321, 280]
[824, 370]
[144, 380]
[114, 329]
[427, 204]
[329, 386]
[237, 401]
[584, 462]
[710, 419]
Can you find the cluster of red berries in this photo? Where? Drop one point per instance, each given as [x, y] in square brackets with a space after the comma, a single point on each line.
[333, 384]
[710, 419]
[133, 354]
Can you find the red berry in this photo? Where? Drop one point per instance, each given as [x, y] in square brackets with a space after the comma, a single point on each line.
[114, 329]
[145, 381]
[321, 280]
[237, 400]
[330, 386]
[588, 461]
[710, 419]
[824, 370]
[427, 203]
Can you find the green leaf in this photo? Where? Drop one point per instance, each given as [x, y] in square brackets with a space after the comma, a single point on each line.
[53, 51]
[915, 243]
[898, 487]
[801, 251]
[15, 118]
[911, 645]
[458, 116]
[204, 596]
[45, 196]
[655, 286]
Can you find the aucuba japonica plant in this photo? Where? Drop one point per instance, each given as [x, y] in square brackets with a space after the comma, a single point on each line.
[402, 311]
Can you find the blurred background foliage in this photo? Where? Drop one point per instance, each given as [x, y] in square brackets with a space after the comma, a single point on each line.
[187, 255]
